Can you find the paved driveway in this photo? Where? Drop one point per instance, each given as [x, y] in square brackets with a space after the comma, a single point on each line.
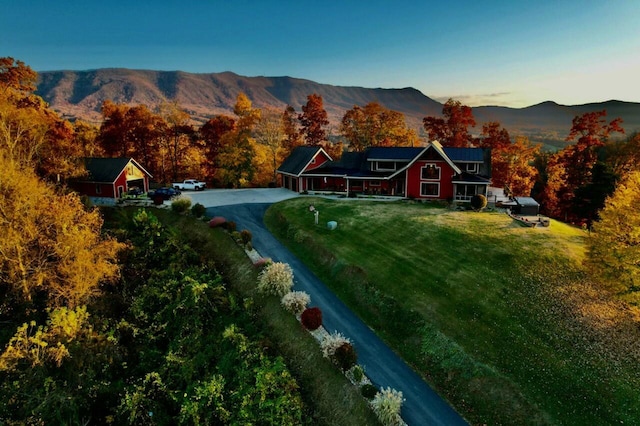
[422, 406]
[228, 197]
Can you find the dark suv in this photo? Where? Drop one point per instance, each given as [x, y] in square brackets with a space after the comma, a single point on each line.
[165, 193]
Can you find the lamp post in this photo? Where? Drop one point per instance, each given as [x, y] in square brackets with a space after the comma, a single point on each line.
[315, 212]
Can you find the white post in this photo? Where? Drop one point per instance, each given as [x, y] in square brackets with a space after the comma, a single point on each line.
[316, 213]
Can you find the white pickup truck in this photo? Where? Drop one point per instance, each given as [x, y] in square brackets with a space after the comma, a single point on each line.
[189, 184]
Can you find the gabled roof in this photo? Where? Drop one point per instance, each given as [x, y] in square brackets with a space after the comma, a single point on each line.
[438, 148]
[107, 170]
[299, 159]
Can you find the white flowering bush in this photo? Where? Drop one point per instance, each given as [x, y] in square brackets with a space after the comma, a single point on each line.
[387, 404]
[275, 279]
[332, 342]
[295, 301]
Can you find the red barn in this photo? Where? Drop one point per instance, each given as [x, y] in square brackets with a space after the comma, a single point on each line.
[110, 178]
[430, 172]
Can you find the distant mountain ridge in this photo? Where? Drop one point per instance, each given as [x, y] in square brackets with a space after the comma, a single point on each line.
[79, 94]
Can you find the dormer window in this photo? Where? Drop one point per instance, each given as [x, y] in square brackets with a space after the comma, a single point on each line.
[430, 172]
[472, 167]
[386, 166]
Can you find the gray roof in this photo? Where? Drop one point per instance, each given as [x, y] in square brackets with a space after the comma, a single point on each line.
[401, 153]
[526, 201]
[298, 159]
[464, 155]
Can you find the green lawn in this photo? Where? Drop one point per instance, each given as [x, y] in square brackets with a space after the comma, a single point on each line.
[501, 319]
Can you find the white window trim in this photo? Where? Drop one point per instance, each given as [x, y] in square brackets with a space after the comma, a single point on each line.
[428, 165]
[472, 167]
[428, 182]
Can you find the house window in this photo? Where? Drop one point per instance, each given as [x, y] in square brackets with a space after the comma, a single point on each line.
[374, 183]
[313, 160]
[98, 189]
[472, 167]
[428, 189]
[385, 166]
[430, 172]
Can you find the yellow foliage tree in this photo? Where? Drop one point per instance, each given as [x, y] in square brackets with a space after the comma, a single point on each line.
[614, 246]
[50, 245]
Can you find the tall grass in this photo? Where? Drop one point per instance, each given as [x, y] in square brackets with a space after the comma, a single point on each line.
[500, 318]
[330, 398]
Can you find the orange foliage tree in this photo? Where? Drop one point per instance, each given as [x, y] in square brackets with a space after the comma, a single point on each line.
[453, 129]
[211, 134]
[572, 168]
[374, 125]
[31, 133]
[314, 120]
[293, 137]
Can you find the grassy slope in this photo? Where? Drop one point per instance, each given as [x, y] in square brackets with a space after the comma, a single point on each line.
[499, 318]
[329, 396]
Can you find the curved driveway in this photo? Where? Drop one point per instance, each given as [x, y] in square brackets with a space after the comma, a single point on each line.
[246, 207]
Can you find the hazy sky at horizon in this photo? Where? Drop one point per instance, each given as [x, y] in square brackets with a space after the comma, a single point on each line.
[509, 53]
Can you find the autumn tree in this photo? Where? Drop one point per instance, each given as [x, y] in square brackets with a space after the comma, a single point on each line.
[518, 161]
[31, 133]
[86, 139]
[211, 134]
[16, 75]
[374, 125]
[50, 245]
[511, 163]
[293, 137]
[178, 140]
[235, 162]
[314, 120]
[133, 131]
[270, 136]
[572, 168]
[453, 129]
[614, 244]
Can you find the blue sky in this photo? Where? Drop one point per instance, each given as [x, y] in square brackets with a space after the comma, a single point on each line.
[510, 53]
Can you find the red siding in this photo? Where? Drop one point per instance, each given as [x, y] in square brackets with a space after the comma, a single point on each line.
[317, 161]
[414, 178]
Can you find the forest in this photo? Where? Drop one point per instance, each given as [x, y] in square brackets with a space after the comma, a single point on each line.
[78, 296]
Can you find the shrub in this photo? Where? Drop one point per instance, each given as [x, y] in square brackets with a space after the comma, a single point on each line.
[198, 210]
[356, 374]
[311, 318]
[230, 226]
[387, 404]
[217, 221]
[368, 391]
[248, 246]
[345, 356]
[262, 262]
[181, 204]
[331, 343]
[158, 200]
[478, 202]
[275, 279]
[295, 301]
[236, 236]
[246, 236]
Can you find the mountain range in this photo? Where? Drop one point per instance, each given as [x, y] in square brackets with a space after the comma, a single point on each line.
[80, 94]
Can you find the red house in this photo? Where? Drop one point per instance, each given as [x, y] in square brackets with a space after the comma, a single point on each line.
[430, 172]
[110, 178]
